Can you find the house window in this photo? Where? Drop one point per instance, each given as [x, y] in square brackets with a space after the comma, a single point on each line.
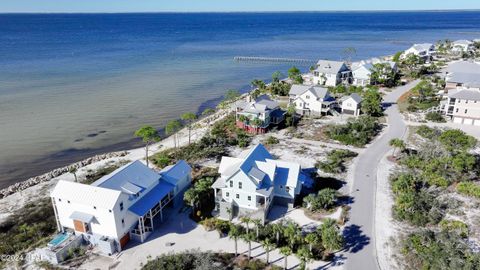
[249, 198]
[121, 206]
[238, 196]
[456, 110]
[307, 97]
[123, 222]
[466, 110]
[466, 101]
[227, 194]
[231, 183]
[240, 185]
[287, 189]
[95, 207]
[68, 201]
[459, 101]
[59, 200]
[281, 186]
[109, 210]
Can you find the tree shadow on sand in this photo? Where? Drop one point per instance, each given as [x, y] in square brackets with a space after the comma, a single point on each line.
[355, 239]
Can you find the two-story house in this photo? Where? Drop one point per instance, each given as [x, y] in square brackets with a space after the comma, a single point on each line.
[425, 51]
[311, 100]
[362, 71]
[252, 182]
[258, 116]
[119, 206]
[351, 104]
[331, 73]
[463, 106]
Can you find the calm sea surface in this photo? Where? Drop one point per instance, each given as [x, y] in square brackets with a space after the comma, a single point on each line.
[75, 85]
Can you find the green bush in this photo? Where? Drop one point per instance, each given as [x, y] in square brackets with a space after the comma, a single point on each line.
[444, 250]
[454, 226]
[325, 199]
[335, 162]
[469, 189]
[27, 228]
[357, 132]
[271, 140]
[435, 117]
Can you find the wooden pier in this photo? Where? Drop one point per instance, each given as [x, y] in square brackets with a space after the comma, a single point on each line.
[273, 60]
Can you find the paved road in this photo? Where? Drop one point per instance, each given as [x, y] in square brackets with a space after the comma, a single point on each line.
[359, 231]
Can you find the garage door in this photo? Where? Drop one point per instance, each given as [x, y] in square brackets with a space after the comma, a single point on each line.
[457, 120]
[467, 121]
[477, 123]
[348, 112]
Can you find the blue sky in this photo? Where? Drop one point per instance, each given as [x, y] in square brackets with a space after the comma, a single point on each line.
[227, 5]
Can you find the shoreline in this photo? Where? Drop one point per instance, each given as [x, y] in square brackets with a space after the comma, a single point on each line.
[123, 151]
[29, 170]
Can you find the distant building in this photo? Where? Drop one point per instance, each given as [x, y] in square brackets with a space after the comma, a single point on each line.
[331, 73]
[311, 100]
[119, 206]
[351, 104]
[424, 51]
[463, 75]
[462, 46]
[252, 182]
[362, 71]
[463, 106]
[258, 116]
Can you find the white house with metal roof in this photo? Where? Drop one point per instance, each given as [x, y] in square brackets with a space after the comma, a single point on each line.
[311, 100]
[424, 51]
[331, 73]
[463, 74]
[250, 183]
[351, 104]
[463, 106]
[120, 206]
[462, 46]
[362, 71]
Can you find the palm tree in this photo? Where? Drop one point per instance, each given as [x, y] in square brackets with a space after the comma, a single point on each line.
[246, 220]
[397, 143]
[331, 237]
[304, 255]
[292, 232]
[189, 117]
[258, 222]
[268, 246]
[248, 238]
[73, 170]
[171, 129]
[311, 239]
[234, 234]
[277, 228]
[149, 135]
[286, 251]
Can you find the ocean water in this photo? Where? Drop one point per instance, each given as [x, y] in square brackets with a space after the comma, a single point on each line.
[73, 85]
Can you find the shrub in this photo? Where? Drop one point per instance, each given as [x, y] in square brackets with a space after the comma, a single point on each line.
[455, 226]
[435, 117]
[335, 161]
[357, 132]
[324, 199]
[469, 189]
[271, 140]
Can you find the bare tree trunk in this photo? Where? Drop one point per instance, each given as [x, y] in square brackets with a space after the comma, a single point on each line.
[268, 255]
[236, 248]
[249, 250]
[146, 153]
[285, 261]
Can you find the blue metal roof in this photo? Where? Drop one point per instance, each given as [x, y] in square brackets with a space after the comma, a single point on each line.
[148, 201]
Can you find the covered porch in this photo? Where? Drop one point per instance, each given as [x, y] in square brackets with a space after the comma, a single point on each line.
[148, 207]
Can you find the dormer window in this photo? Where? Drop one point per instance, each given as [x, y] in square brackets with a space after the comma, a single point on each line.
[121, 206]
[307, 97]
[240, 185]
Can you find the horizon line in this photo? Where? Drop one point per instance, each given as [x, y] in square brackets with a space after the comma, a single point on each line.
[259, 11]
